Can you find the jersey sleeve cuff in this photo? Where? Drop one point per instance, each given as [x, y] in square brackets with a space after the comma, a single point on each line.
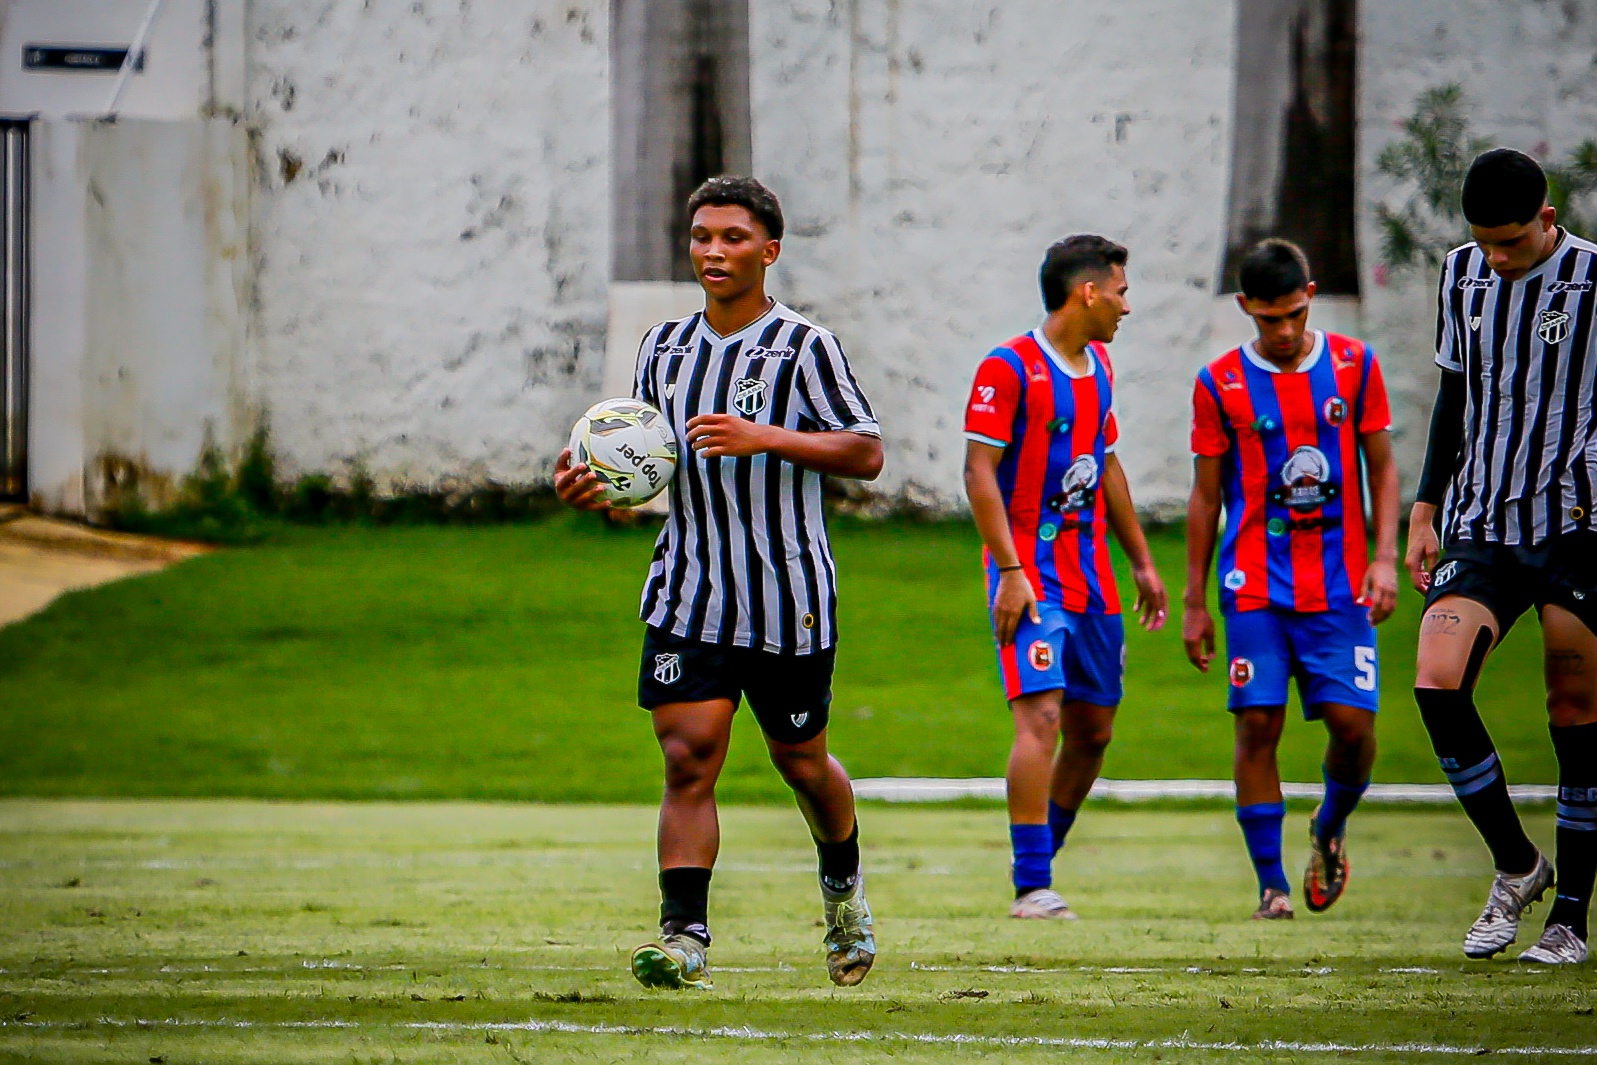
[988, 440]
[1448, 363]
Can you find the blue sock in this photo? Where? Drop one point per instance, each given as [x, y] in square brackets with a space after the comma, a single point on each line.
[1261, 828]
[1033, 866]
[1340, 799]
[1059, 822]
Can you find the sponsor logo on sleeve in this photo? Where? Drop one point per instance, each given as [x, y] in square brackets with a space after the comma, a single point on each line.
[982, 401]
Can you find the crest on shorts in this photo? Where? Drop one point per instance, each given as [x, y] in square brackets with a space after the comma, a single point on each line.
[1079, 487]
[1241, 672]
[1553, 326]
[799, 719]
[668, 668]
[1305, 480]
[1335, 411]
[1040, 655]
[748, 395]
[1444, 573]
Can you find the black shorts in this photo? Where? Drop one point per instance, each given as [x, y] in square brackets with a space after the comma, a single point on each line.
[791, 695]
[1508, 581]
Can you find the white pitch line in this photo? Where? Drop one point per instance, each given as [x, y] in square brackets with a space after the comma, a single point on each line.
[946, 789]
[762, 1035]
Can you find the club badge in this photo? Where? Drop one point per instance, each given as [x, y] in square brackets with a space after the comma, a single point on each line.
[748, 396]
[668, 668]
[1335, 411]
[1040, 655]
[1241, 672]
[1444, 573]
[1553, 326]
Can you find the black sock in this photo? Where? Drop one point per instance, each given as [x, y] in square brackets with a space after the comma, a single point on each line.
[685, 902]
[1576, 746]
[840, 863]
[1469, 761]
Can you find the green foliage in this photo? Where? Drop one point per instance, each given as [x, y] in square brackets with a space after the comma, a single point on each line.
[420, 933]
[500, 662]
[247, 503]
[1433, 156]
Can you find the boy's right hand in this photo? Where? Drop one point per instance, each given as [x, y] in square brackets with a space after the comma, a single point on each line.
[1197, 635]
[577, 486]
[1015, 597]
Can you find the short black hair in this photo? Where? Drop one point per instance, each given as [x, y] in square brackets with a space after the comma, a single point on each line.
[1273, 268]
[730, 190]
[1066, 260]
[1503, 188]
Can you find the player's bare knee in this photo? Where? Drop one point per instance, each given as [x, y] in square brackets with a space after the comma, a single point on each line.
[798, 766]
[1090, 738]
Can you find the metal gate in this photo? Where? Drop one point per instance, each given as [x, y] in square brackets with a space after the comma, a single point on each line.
[14, 261]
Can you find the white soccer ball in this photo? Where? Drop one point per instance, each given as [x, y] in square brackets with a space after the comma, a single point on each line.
[629, 446]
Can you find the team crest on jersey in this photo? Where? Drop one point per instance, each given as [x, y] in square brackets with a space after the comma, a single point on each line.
[1079, 486]
[1040, 655]
[748, 395]
[1553, 326]
[1335, 411]
[1305, 480]
[1444, 573]
[668, 668]
[1241, 672]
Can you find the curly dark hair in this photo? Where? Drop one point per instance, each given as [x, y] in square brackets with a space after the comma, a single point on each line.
[730, 190]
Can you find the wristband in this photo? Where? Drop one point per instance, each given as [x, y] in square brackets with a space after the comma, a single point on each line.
[1010, 569]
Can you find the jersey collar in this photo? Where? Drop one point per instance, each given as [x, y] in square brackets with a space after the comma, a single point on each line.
[772, 311]
[1059, 360]
[1251, 352]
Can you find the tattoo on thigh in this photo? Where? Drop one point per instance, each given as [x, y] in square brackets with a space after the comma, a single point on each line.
[1566, 663]
[1441, 623]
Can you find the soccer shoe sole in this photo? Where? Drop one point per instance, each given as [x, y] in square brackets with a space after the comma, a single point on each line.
[1312, 899]
[653, 966]
[847, 968]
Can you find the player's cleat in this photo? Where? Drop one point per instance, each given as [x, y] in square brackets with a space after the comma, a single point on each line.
[1325, 878]
[1274, 906]
[1042, 904]
[1511, 896]
[674, 963]
[850, 935]
[1559, 945]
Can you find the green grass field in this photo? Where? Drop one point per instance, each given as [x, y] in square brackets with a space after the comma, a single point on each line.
[225, 932]
[500, 663]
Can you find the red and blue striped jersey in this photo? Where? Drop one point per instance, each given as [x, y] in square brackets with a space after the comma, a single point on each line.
[1056, 431]
[1294, 502]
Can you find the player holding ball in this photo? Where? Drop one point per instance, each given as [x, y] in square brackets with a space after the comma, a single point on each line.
[740, 600]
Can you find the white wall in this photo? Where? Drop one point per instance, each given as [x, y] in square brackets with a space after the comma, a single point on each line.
[176, 82]
[433, 231]
[140, 303]
[928, 153]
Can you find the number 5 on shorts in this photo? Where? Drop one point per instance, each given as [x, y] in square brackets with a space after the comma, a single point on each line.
[1364, 662]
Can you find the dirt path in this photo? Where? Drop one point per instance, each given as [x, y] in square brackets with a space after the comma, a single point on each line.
[40, 558]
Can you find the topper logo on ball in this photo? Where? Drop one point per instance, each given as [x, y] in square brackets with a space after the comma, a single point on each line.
[748, 396]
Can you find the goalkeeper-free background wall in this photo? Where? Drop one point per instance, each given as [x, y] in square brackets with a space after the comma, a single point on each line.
[419, 277]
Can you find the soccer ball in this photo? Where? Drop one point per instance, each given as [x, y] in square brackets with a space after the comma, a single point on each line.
[629, 446]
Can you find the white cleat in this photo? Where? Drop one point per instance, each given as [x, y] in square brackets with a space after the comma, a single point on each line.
[1042, 904]
[1511, 897]
[1559, 945]
[850, 935]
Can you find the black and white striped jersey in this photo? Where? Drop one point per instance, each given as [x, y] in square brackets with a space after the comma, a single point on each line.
[1528, 465]
[743, 558]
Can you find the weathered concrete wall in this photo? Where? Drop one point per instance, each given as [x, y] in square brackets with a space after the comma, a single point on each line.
[1527, 70]
[433, 231]
[927, 153]
[141, 292]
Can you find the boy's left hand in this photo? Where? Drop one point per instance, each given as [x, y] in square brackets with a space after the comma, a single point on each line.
[1152, 602]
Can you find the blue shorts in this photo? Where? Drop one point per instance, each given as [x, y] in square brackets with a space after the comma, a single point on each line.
[1331, 653]
[1081, 655]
